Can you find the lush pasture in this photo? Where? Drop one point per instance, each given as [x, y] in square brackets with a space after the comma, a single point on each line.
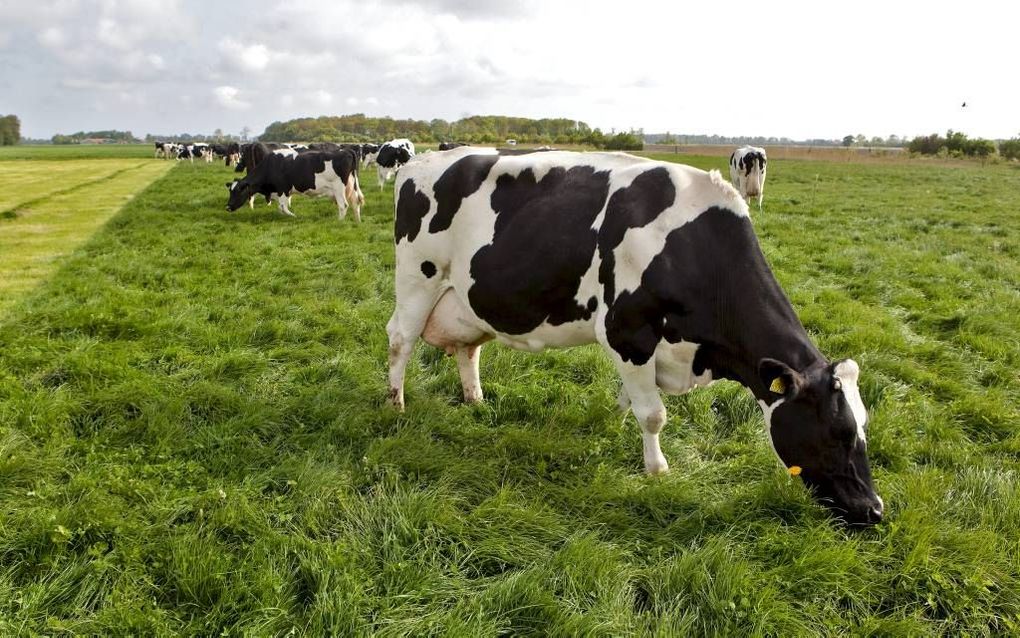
[193, 437]
[48, 208]
[76, 152]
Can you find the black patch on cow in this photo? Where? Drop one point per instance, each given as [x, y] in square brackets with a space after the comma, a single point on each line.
[711, 285]
[635, 206]
[428, 269]
[460, 180]
[392, 156]
[543, 243]
[593, 303]
[412, 206]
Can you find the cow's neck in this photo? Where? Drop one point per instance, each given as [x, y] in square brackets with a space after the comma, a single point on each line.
[751, 319]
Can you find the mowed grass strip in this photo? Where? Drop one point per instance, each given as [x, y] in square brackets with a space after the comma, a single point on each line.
[194, 438]
[53, 207]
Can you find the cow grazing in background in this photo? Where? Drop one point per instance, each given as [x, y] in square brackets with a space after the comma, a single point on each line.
[747, 172]
[391, 156]
[656, 262]
[279, 175]
[368, 154]
[160, 150]
[230, 152]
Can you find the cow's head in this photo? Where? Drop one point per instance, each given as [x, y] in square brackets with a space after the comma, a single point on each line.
[241, 191]
[816, 421]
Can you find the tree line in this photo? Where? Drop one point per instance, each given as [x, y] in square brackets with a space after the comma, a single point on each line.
[10, 130]
[477, 129]
[111, 136]
[957, 144]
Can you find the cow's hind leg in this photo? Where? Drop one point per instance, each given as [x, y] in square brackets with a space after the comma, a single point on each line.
[414, 305]
[467, 365]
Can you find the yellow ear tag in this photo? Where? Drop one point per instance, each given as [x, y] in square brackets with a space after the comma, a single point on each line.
[794, 470]
[778, 386]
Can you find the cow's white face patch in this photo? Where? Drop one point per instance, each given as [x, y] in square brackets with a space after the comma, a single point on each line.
[767, 411]
[848, 372]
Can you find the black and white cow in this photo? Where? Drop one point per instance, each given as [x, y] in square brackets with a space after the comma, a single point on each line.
[160, 150]
[230, 152]
[656, 262]
[368, 154]
[391, 156]
[747, 172]
[279, 175]
[449, 146]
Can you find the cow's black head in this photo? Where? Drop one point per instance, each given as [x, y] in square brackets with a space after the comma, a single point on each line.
[240, 192]
[817, 420]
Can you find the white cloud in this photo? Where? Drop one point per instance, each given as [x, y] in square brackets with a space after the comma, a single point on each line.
[322, 97]
[251, 57]
[52, 37]
[227, 97]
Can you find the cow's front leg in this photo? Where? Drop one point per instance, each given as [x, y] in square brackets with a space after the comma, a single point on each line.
[623, 401]
[639, 385]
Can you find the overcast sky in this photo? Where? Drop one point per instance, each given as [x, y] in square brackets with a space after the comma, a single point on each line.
[779, 68]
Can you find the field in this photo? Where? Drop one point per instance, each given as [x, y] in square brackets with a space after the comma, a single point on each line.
[194, 438]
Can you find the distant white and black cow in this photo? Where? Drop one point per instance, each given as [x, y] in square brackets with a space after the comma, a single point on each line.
[160, 150]
[747, 172]
[368, 154]
[279, 175]
[656, 262]
[391, 156]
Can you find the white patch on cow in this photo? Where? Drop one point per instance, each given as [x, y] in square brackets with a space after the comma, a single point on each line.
[848, 373]
[767, 411]
[674, 368]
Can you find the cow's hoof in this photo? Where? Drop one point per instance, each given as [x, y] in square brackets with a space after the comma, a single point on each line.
[397, 399]
[657, 468]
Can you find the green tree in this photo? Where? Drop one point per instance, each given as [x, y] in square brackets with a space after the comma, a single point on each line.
[848, 140]
[10, 130]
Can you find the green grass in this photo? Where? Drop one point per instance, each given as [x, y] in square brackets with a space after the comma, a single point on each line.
[193, 438]
[47, 209]
[75, 151]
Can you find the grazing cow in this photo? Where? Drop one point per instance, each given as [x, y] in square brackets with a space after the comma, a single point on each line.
[160, 150]
[391, 156]
[186, 151]
[747, 172]
[230, 152]
[368, 154]
[656, 262]
[449, 146]
[279, 175]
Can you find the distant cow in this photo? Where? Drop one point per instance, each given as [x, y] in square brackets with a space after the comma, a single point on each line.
[449, 146]
[368, 154]
[747, 172]
[656, 262]
[392, 155]
[279, 175]
[160, 150]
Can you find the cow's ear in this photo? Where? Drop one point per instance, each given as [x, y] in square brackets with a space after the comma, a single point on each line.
[779, 379]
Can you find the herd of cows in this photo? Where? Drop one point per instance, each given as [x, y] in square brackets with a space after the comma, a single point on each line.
[655, 261]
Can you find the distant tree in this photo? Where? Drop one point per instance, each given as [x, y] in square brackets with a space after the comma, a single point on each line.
[245, 131]
[624, 142]
[860, 140]
[10, 130]
[848, 140]
[894, 140]
[1010, 149]
[668, 138]
[218, 134]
